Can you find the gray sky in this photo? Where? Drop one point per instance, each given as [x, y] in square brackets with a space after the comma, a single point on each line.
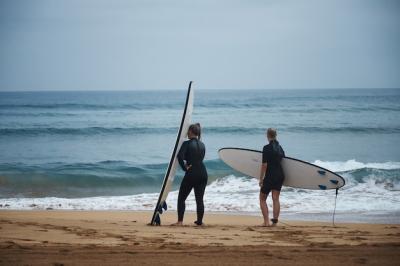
[125, 45]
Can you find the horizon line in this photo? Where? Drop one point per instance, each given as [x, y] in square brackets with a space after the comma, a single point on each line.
[213, 89]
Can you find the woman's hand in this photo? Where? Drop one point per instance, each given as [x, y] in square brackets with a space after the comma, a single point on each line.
[263, 170]
[188, 166]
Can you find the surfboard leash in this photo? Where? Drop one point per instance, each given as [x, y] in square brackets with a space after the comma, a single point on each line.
[334, 209]
[284, 223]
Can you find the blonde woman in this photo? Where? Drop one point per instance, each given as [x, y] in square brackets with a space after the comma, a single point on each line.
[271, 177]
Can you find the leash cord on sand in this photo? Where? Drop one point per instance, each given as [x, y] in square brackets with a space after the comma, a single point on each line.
[285, 223]
[334, 209]
[333, 216]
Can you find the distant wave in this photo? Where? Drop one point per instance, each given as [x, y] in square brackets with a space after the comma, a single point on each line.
[348, 109]
[82, 131]
[307, 129]
[348, 129]
[86, 106]
[34, 131]
[36, 114]
[253, 104]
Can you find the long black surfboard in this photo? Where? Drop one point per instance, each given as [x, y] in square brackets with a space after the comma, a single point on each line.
[173, 163]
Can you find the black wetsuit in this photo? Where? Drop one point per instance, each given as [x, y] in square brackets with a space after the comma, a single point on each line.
[192, 151]
[274, 176]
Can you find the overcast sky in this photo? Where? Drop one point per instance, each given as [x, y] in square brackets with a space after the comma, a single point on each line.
[127, 45]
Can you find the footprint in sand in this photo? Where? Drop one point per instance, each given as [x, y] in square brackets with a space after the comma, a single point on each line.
[358, 238]
[12, 244]
[283, 258]
[360, 260]
[123, 238]
[391, 227]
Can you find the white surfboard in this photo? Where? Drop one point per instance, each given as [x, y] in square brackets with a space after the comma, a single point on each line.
[173, 163]
[298, 173]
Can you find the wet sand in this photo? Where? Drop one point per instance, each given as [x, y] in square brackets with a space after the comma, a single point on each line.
[123, 238]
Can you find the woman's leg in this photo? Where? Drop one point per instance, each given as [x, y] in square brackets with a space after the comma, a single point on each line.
[199, 194]
[184, 192]
[276, 203]
[264, 208]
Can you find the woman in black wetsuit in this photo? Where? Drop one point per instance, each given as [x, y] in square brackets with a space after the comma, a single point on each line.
[190, 158]
[271, 176]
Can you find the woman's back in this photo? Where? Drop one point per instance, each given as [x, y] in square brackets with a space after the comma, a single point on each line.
[193, 151]
[272, 155]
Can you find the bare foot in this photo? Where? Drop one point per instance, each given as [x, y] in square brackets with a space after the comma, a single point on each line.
[264, 225]
[177, 224]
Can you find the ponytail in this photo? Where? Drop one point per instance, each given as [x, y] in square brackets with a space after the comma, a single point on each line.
[199, 127]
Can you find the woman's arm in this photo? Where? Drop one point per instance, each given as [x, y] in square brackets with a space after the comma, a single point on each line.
[263, 169]
[181, 156]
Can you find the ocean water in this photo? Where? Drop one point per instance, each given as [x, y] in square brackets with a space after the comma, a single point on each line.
[109, 150]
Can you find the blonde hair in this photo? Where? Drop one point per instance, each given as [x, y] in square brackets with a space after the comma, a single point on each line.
[271, 133]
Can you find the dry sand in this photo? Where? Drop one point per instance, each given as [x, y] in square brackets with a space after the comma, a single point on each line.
[119, 238]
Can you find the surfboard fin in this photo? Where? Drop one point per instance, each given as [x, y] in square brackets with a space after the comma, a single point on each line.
[334, 181]
[321, 172]
[157, 220]
[163, 207]
[322, 187]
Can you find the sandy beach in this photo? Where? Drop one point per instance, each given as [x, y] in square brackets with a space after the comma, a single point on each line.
[121, 238]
